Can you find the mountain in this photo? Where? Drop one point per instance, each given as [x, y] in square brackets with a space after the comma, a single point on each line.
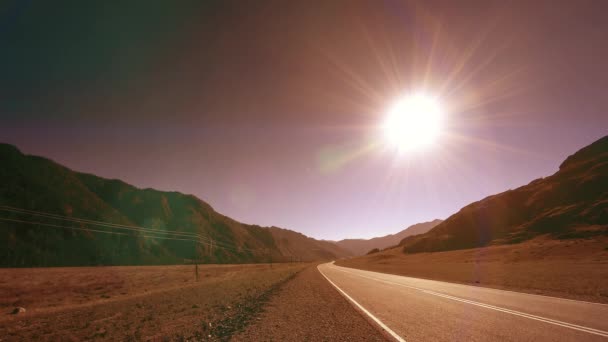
[572, 203]
[362, 246]
[53, 216]
[291, 243]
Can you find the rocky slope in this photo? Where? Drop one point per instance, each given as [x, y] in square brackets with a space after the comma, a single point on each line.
[178, 226]
[572, 203]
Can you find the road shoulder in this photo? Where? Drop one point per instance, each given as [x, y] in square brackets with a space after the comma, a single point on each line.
[308, 308]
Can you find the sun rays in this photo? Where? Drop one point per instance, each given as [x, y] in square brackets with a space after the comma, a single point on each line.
[425, 60]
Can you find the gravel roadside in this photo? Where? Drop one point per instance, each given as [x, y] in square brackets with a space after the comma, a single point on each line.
[308, 308]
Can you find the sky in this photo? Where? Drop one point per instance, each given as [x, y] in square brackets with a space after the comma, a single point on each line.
[271, 111]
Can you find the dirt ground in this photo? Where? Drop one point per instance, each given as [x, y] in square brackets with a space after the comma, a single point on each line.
[308, 308]
[575, 269]
[135, 303]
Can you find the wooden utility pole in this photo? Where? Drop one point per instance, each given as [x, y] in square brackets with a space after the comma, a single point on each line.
[196, 261]
[196, 268]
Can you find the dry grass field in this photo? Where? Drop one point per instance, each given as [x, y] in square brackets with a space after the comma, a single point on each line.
[135, 303]
[576, 269]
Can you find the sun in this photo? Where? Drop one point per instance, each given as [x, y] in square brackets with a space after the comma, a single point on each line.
[413, 122]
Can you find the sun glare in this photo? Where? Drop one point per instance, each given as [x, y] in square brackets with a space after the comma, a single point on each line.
[413, 123]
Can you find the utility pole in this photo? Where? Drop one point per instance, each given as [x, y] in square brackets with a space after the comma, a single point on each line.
[196, 260]
[196, 268]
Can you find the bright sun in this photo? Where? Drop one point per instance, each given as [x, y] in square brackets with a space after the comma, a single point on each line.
[414, 122]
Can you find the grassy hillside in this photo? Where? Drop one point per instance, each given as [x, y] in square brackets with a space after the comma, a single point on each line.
[362, 246]
[183, 226]
[572, 203]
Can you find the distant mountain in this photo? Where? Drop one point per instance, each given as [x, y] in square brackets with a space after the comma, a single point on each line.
[572, 203]
[184, 227]
[291, 243]
[362, 246]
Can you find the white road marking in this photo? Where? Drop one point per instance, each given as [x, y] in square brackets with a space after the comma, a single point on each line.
[369, 314]
[488, 306]
[491, 288]
[523, 314]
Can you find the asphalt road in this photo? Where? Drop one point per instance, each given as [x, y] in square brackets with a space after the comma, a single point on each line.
[414, 309]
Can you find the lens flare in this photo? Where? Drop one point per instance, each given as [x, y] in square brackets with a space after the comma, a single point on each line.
[414, 122]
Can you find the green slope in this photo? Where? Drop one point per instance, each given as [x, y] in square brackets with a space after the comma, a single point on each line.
[184, 226]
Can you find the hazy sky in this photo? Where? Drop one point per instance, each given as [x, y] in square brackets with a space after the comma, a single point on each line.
[269, 111]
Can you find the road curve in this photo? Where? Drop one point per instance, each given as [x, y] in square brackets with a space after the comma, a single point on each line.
[413, 309]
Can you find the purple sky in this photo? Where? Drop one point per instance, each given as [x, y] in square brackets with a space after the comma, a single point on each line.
[268, 111]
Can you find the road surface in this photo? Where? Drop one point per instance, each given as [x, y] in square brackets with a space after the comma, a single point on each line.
[413, 309]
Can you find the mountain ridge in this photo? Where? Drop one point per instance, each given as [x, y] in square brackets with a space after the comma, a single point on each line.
[362, 246]
[571, 203]
[179, 221]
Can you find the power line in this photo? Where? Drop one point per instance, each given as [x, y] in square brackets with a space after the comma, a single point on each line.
[101, 223]
[201, 238]
[125, 227]
[97, 231]
[57, 226]
[111, 232]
